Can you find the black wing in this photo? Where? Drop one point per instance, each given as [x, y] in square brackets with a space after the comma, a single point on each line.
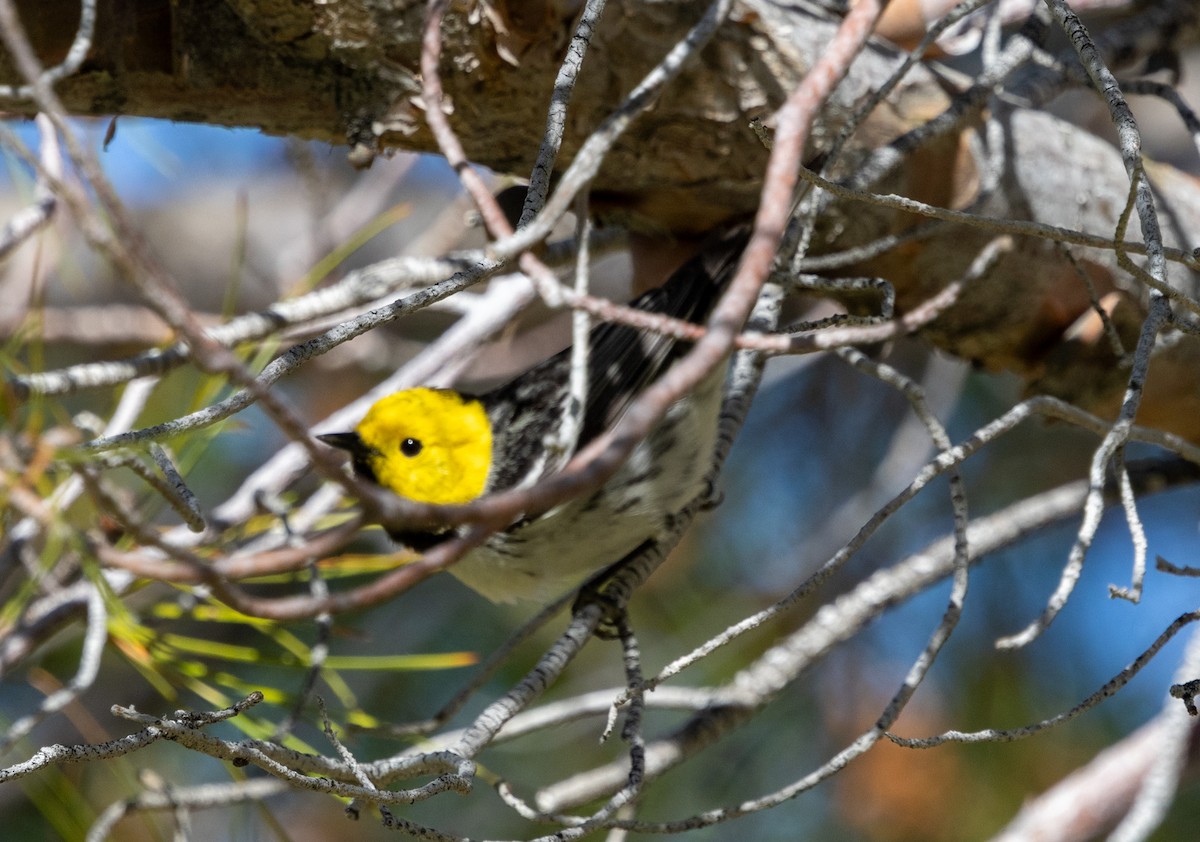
[622, 362]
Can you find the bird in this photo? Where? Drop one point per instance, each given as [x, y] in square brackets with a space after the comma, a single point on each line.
[442, 446]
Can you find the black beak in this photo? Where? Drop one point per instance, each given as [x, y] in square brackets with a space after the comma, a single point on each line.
[360, 453]
[350, 442]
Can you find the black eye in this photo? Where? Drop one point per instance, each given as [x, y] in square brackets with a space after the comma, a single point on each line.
[410, 447]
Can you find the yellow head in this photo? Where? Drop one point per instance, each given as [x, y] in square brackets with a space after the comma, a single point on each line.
[428, 445]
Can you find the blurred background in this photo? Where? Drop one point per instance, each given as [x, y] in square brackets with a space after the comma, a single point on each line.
[242, 219]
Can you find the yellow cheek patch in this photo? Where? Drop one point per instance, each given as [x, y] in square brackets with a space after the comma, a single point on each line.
[454, 436]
